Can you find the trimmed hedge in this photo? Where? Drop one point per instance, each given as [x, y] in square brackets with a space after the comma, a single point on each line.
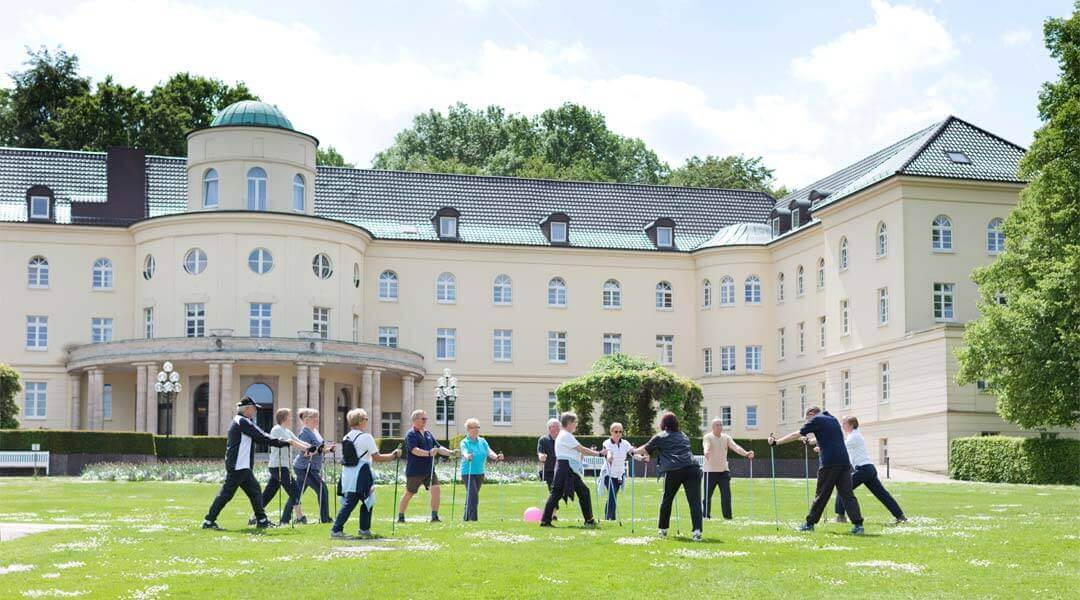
[194, 446]
[999, 459]
[60, 441]
[524, 446]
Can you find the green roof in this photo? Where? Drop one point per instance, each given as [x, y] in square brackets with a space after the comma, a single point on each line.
[252, 113]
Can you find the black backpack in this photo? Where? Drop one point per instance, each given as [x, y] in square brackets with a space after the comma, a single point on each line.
[349, 457]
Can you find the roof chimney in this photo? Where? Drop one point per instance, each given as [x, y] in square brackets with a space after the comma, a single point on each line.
[125, 175]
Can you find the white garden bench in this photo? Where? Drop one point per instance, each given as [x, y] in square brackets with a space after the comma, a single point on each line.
[24, 460]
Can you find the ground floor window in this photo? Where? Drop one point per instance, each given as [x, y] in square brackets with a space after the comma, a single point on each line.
[391, 424]
[34, 399]
[443, 411]
[502, 407]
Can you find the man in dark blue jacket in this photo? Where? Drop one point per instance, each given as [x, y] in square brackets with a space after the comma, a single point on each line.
[834, 468]
[239, 460]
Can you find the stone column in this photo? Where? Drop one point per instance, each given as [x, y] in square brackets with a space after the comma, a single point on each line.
[376, 400]
[408, 397]
[213, 411]
[228, 403]
[74, 379]
[95, 394]
[140, 394]
[366, 388]
[150, 401]
[300, 397]
[315, 400]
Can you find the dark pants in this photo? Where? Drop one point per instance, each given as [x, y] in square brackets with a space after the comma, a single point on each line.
[313, 480]
[548, 477]
[690, 480]
[245, 480]
[566, 477]
[280, 478]
[723, 481]
[612, 486]
[839, 477]
[347, 506]
[867, 474]
[472, 495]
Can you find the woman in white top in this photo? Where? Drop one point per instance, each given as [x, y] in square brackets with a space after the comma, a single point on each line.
[614, 469]
[279, 466]
[357, 480]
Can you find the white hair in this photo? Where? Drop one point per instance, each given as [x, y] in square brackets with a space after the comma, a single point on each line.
[553, 422]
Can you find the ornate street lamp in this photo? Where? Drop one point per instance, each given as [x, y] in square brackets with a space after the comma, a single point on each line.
[446, 392]
[167, 387]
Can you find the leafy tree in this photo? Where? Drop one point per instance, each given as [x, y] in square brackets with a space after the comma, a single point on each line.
[9, 386]
[630, 390]
[1028, 350]
[111, 116]
[733, 172]
[183, 103]
[38, 94]
[330, 157]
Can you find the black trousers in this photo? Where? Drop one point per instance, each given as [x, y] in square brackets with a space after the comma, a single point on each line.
[352, 499]
[245, 480]
[839, 477]
[565, 476]
[713, 481]
[690, 480]
[867, 475]
[472, 495]
[280, 478]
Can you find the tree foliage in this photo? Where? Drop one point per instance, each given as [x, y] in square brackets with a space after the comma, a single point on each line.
[330, 157]
[733, 172]
[10, 385]
[1028, 349]
[630, 390]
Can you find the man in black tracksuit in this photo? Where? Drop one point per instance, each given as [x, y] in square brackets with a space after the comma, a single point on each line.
[239, 460]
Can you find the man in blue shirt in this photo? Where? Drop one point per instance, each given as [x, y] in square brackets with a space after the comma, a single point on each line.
[421, 448]
[834, 468]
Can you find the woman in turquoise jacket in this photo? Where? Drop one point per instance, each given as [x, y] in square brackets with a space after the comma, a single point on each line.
[475, 453]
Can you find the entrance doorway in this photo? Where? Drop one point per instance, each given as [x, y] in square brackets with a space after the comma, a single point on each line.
[340, 422]
[201, 409]
[264, 418]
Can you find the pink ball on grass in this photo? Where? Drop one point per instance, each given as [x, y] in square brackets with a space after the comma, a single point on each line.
[533, 514]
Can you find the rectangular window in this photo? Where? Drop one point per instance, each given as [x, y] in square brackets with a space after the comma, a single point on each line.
[447, 227]
[37, 332]
[259, 319]
[557, 346]
[446, 343]
[883, 306]
[845, 324]
[706, 357]
[320, 321]
[558, 231]
[776, 226]
[388, 337]
[441, 410]
[501, 407]
[802, 337]
[753, 359]
[195, 319]
[665, 349]
[727, 359]
[845, 388]
[553, 405]
[781, 351]
[39, 207]
[821, 384]
[612, 343]
[821, 332]
[751, 416]
[802, 400]
[782, 408]
[502, 345]
[664, 237]
[101, 329]
[883, 372]
[725, 415]
[943, 301]
[356, 328]
[795, 219]
[148, 322]
[391, 424]
[34, 399]
[106, 401]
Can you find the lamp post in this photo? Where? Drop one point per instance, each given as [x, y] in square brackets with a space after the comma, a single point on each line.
[446, 392]
[167, 387]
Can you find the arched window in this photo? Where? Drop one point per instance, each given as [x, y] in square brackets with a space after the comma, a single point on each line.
[37, 272]
[210, 189]
[780, 287]
[149, 267]
[752, 290]
[706, 294]
[195, 261]
[256, 189]
[995, 239]
[502, 292]
[321, 266]
[727, 291]
[821, 273]
[882, 240]
[388, 285]
[298, 193]
[556, 292]
[103, 274]
[260, 261]
[612, 294]
[356, 275]
[941, 234]
[843, 254]
[800, 281]
[665, 298]
[446, 289]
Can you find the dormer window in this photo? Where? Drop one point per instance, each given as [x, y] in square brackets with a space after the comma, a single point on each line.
[665, 237]
[794, 219]
[446, 223]
[557, 228]
[662, 233]
[776, 226]
[39, 207]
[558, 233]
[958, 157]
[39, 204]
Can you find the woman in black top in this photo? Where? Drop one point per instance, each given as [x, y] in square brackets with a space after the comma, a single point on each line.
[676, 462]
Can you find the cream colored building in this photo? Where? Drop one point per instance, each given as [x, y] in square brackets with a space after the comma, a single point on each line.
[254, 271]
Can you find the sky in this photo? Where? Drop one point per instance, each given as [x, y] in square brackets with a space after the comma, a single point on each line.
[809, 86]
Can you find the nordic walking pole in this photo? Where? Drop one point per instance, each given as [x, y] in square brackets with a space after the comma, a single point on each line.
[776, 507]
[453, 492]
[806, 472]
[300, 495]
[632, 515]
[502, 495]
[750, 512]
[334, 476]
[397, 469]
[468, 491]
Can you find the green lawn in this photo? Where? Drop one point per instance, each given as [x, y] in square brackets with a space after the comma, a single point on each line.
[964, 541]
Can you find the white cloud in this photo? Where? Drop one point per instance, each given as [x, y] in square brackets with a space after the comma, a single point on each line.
[1017, 37]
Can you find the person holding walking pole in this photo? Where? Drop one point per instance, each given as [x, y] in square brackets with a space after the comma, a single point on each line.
[772, 469]
[676, 463]
[716, 445]
[834, 470]
[475, 453]
[358, 451]
[397, 473]
[421, 448]
[280, 476]
[308, 468]
[568, 471]
[614, 469]
[865, 472]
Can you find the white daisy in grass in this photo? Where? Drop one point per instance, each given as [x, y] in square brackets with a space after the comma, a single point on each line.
[830, 548]
[53, 593]
[682, 566]
[15, 568]
[89, 544]
[888, 565]
[50, 576]
[978, 562]
[775, 539]
[689, 553]
[635, 541]
[359, 550]
[551, 580]
[500, 537]
[70, 565]
[149, 593]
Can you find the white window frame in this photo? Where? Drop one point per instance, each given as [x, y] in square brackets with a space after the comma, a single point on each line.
[941, 234]
[775, 226]
[35, 400]
[802, 401]
[706, 295]
[441, 410]
[665, 296]
[260, 261]
[446, 343]
[356, 328]
[707, 361]
[995, 239]
[882, 245]
[388, 286]
[800, 330]
[388, 336]
[845, 317]
[753, 359]
[665, 236]
[845, 388]
[725, 416]
[195, 261]
[446, 288]
[34, 212]
[556, 292]
[107, 402]
[502, 408]
[37, 273]
[611, 295]
[665, 349]
[299, 190]
[259, 319]
[751, 416]
[822, 332]
[258, 188]
[148, 322]
[448, 227]
[752, 290]
[883, 306]
[390, 427]
[781, 346]
[195, 319]
[844, 254]
[322, 266]
[149, 267]
[558, 232]
[502, 291]
[800, 281]
[320, 321]
[727, 291]
[611, 344]
[821, 274]
[556, 347]
[884, 382]
[502, 345]
[780, 288]
[944, 302]
[795, 219]
[781, 406]
[37, 333]
[101, 330]
[728, 363]
[211, 189]
[102, 279]
[553, 405]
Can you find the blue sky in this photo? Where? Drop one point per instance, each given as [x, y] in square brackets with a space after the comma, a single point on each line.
[809, 86]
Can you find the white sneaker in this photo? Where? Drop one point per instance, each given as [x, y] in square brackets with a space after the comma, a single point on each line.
[697, 536]
[662, 533]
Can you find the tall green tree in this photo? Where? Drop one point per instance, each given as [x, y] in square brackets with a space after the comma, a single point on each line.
[182, 103]
[330, 157]
[1028, 349]
[10, 385]
[38, 94]
[111, 116]
[733, 172]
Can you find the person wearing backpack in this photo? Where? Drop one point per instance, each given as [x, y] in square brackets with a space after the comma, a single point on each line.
[357, 482]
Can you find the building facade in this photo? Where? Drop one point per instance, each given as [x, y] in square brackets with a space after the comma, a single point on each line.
[256, 272]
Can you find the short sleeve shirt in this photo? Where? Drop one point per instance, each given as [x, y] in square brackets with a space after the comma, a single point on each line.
[418, 465]
[830, 439]
[546, 445]
[566, 446]
[617, 467]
